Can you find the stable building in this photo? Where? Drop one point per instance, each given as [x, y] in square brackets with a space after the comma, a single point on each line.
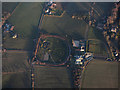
[114, 30]
[75, 43]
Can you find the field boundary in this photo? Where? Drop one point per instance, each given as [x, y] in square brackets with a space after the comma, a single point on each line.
[15, 9]
[37, 47]
[83, 71]
[55, 15]
[13, 72]
[106, 48]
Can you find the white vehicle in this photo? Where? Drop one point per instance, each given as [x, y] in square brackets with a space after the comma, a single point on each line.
[79, 62]
[15, 36]
[88, 56]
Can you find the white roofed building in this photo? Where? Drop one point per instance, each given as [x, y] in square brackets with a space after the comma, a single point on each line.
[79, 60]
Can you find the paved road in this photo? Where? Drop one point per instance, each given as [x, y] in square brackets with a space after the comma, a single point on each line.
[39, 28]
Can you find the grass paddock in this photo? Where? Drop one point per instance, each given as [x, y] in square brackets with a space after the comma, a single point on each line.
[52, 77]
[100, 74]
[17, 80]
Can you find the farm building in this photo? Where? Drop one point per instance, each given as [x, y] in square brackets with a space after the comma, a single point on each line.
[12, 27]
[79, 60]
[82, 48]
[114, 30]
[75, 43]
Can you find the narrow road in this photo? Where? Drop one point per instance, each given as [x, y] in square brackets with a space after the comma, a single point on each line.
[86, 32]
[39, 28]
[41, 19]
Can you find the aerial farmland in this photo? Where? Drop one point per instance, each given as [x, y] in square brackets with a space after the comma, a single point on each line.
[60, 45]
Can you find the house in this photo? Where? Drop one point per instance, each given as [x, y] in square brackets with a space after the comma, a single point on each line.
[73, 16]
[51, 2]
[47, 11]
[75, 43]
[82, 48]
[114, 30]
[15, 36]
[53, 6]
[12, 27]
[6, 27]
[50, 13]
[90, 22]
[79, 62]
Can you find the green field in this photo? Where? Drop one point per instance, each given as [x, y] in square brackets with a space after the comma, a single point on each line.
[100, 74]
[56, 48]
[16, 65]
[96, 42]
[97, 47]
[74, 28]
[15, 61]
[9, 7]
[17, 80]
[82, 8]
[64, 26]
[25, 18]
[94, 33]
[52, 77]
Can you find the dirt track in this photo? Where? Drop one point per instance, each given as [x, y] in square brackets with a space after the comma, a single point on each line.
[37, 47]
